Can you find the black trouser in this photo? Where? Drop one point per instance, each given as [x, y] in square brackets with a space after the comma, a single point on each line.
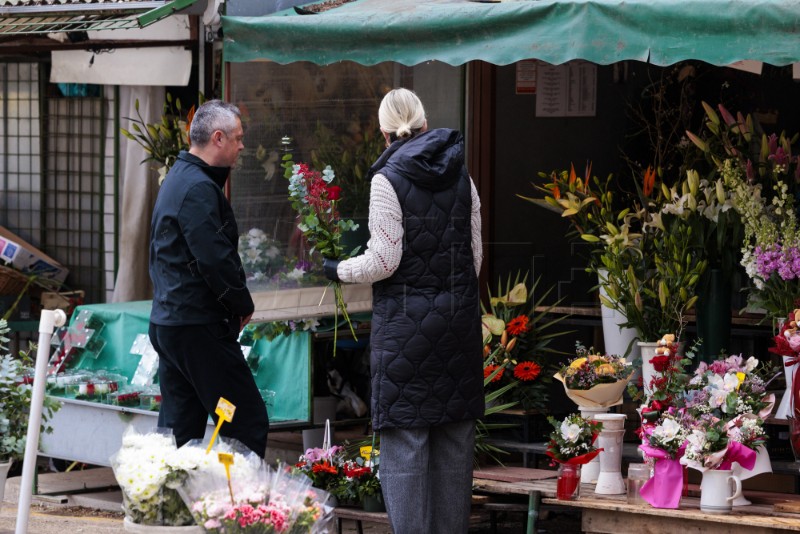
[197, 365]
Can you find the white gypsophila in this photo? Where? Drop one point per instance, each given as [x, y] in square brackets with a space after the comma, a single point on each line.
[570, 432]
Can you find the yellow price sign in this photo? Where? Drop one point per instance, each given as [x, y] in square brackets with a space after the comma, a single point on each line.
[226, 459]
[225, 411]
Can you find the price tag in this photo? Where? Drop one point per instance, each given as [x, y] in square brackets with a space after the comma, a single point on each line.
[226, 459]
[225, 412]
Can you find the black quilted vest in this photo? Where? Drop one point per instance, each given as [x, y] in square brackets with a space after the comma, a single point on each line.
[426, 339]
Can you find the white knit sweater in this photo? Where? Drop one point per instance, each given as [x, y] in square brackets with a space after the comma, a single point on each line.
[385, 246]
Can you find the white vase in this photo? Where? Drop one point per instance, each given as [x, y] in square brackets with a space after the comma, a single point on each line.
[591, 470]
[762, 465]
[616, 338]
[610, 481]
[648, 351]
[4, 467]
[718, 490]
[785, 407]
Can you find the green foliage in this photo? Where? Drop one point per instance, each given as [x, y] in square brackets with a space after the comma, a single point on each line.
[15, 401]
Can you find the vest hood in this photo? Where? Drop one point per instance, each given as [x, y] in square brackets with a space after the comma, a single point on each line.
[432, 160]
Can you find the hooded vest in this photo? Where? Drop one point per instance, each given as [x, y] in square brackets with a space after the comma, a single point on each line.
[426, 358]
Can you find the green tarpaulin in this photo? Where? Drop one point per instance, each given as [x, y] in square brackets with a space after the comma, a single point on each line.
[662, 32]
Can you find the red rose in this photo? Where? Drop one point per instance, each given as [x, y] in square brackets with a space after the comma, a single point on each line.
[334, 192]
[660, 363]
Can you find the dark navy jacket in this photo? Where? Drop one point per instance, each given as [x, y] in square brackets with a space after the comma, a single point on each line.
[194, 261]
[426, 359]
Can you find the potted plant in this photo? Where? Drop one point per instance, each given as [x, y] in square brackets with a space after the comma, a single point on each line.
[15, 402]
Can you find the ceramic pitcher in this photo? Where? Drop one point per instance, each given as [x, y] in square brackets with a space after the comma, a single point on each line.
[718, 490]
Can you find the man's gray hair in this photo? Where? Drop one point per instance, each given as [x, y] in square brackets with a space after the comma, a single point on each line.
[212, 115]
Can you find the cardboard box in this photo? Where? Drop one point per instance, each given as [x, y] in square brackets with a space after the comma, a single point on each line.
[29, 259]
[62, 301]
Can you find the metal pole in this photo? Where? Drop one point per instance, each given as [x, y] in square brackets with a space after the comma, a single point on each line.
[534, 500]
[49, 320]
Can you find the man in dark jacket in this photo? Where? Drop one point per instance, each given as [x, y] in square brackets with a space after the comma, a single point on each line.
[200, 300]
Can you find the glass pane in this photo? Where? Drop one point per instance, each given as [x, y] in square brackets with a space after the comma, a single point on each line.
[330, 113]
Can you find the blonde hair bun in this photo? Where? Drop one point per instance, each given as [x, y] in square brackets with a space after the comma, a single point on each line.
[401, 113]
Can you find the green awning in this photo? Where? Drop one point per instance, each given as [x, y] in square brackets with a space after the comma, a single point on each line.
[30, 19]
[662, 32]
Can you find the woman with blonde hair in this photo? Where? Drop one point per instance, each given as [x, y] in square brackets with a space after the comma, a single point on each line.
[423, 259]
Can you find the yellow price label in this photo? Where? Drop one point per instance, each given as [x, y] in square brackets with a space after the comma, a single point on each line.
[368, 452]
[225, 410]
[226, 459]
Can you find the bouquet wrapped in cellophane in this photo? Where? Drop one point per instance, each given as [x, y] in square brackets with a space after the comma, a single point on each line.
[149, 468]
[255, 499]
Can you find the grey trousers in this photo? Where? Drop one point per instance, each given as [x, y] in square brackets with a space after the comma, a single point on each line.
[426, 477]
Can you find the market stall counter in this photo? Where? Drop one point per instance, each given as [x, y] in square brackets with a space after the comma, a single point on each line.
[104, 371]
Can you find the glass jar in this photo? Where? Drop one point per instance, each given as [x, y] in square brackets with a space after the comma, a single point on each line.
[568, 485]
[638, 474]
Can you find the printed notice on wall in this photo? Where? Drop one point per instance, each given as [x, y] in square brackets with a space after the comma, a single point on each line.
[526, 76]
[568, 90]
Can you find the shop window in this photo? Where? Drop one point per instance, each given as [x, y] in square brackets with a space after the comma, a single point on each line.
[330, 115]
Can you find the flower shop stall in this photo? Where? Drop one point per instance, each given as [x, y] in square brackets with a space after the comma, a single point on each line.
[102, 371]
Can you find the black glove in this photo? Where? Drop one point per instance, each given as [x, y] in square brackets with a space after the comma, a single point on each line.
[330, 266]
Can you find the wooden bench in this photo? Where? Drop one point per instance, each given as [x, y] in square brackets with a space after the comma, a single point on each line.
[358, 515]
[611, 514]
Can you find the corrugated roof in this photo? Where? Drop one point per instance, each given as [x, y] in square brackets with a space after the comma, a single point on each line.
[30, 3]
[26, 17]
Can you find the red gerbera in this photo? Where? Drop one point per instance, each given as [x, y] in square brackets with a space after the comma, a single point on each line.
[324, 467]
[527, 371]
[518, 325]
[489, 369]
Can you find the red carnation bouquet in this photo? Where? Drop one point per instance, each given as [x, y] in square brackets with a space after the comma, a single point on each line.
[314, 197]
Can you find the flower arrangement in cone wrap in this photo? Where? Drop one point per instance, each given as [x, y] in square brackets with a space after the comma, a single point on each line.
[595, 380]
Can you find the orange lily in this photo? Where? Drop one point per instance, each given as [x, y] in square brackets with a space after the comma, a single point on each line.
[189, 117]
[572, 175]
[649, 181]
[556, 190]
